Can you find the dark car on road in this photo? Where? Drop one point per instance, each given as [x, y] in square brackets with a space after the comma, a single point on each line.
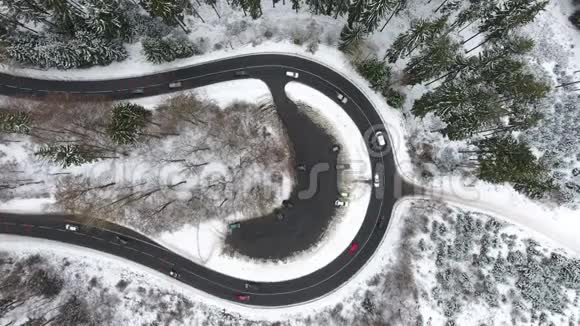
[121, 239]
[382, 223]
[251, 286]
[287, 204]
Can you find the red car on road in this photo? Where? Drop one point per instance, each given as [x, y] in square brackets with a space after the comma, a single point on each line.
[353, 247]
[243, 297]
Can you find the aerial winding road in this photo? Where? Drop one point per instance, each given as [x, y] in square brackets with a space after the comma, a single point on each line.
[271, 68]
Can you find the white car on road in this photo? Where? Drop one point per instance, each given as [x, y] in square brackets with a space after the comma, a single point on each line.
[376, 180]
[292, 74]
[175, 85]
[71, 227]
[341, 98]
[381, 138]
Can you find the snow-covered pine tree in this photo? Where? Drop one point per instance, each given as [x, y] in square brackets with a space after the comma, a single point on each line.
[127, 123]
[503, 18]
[350, 37]
[25, 10]
[505, 159]
[509, 46]
[375, 10]
[438, 56]
[420, 32]
[255, 8]
[355, 11]
[171, 11]
[375, 71]
[296, 5]
[107, 19]
[68, 155]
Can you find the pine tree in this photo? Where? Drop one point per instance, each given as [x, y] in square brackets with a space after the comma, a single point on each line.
[68, 155]
[15, 122]
[127, 123]
[504, 159]
[213, 3]
[158, 50]
[375, 71]
[503, 18]
[350, 37]
[375, 10]
[512, 45]
[355, 11]
[84, 50]
[106, 18]
[25, 11]
[421, 32]
[401, 4]
[171, 11]
[439, 55]
[296, 5]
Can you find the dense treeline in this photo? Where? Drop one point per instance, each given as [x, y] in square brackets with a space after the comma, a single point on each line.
[481, 96]
[478, 84]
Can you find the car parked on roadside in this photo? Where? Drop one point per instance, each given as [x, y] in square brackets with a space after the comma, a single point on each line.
[288, 204]
[335, 148]
[234, 226]
[173, 273]
[353, 247]
[280, 216]
[243, 297]
[342, 166]
[340, 203]
[292, 74]
[70, 227]
[341, 98]
[344, 194]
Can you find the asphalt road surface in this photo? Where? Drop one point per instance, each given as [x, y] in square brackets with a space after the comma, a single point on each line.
[271, 68]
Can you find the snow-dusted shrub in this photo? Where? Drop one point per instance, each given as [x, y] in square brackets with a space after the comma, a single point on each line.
[477, 264]
[394, 98]
[159, 50]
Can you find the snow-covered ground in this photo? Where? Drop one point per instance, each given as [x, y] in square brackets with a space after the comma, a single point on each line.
[405, 266]
[550, 29]
[109, 269]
